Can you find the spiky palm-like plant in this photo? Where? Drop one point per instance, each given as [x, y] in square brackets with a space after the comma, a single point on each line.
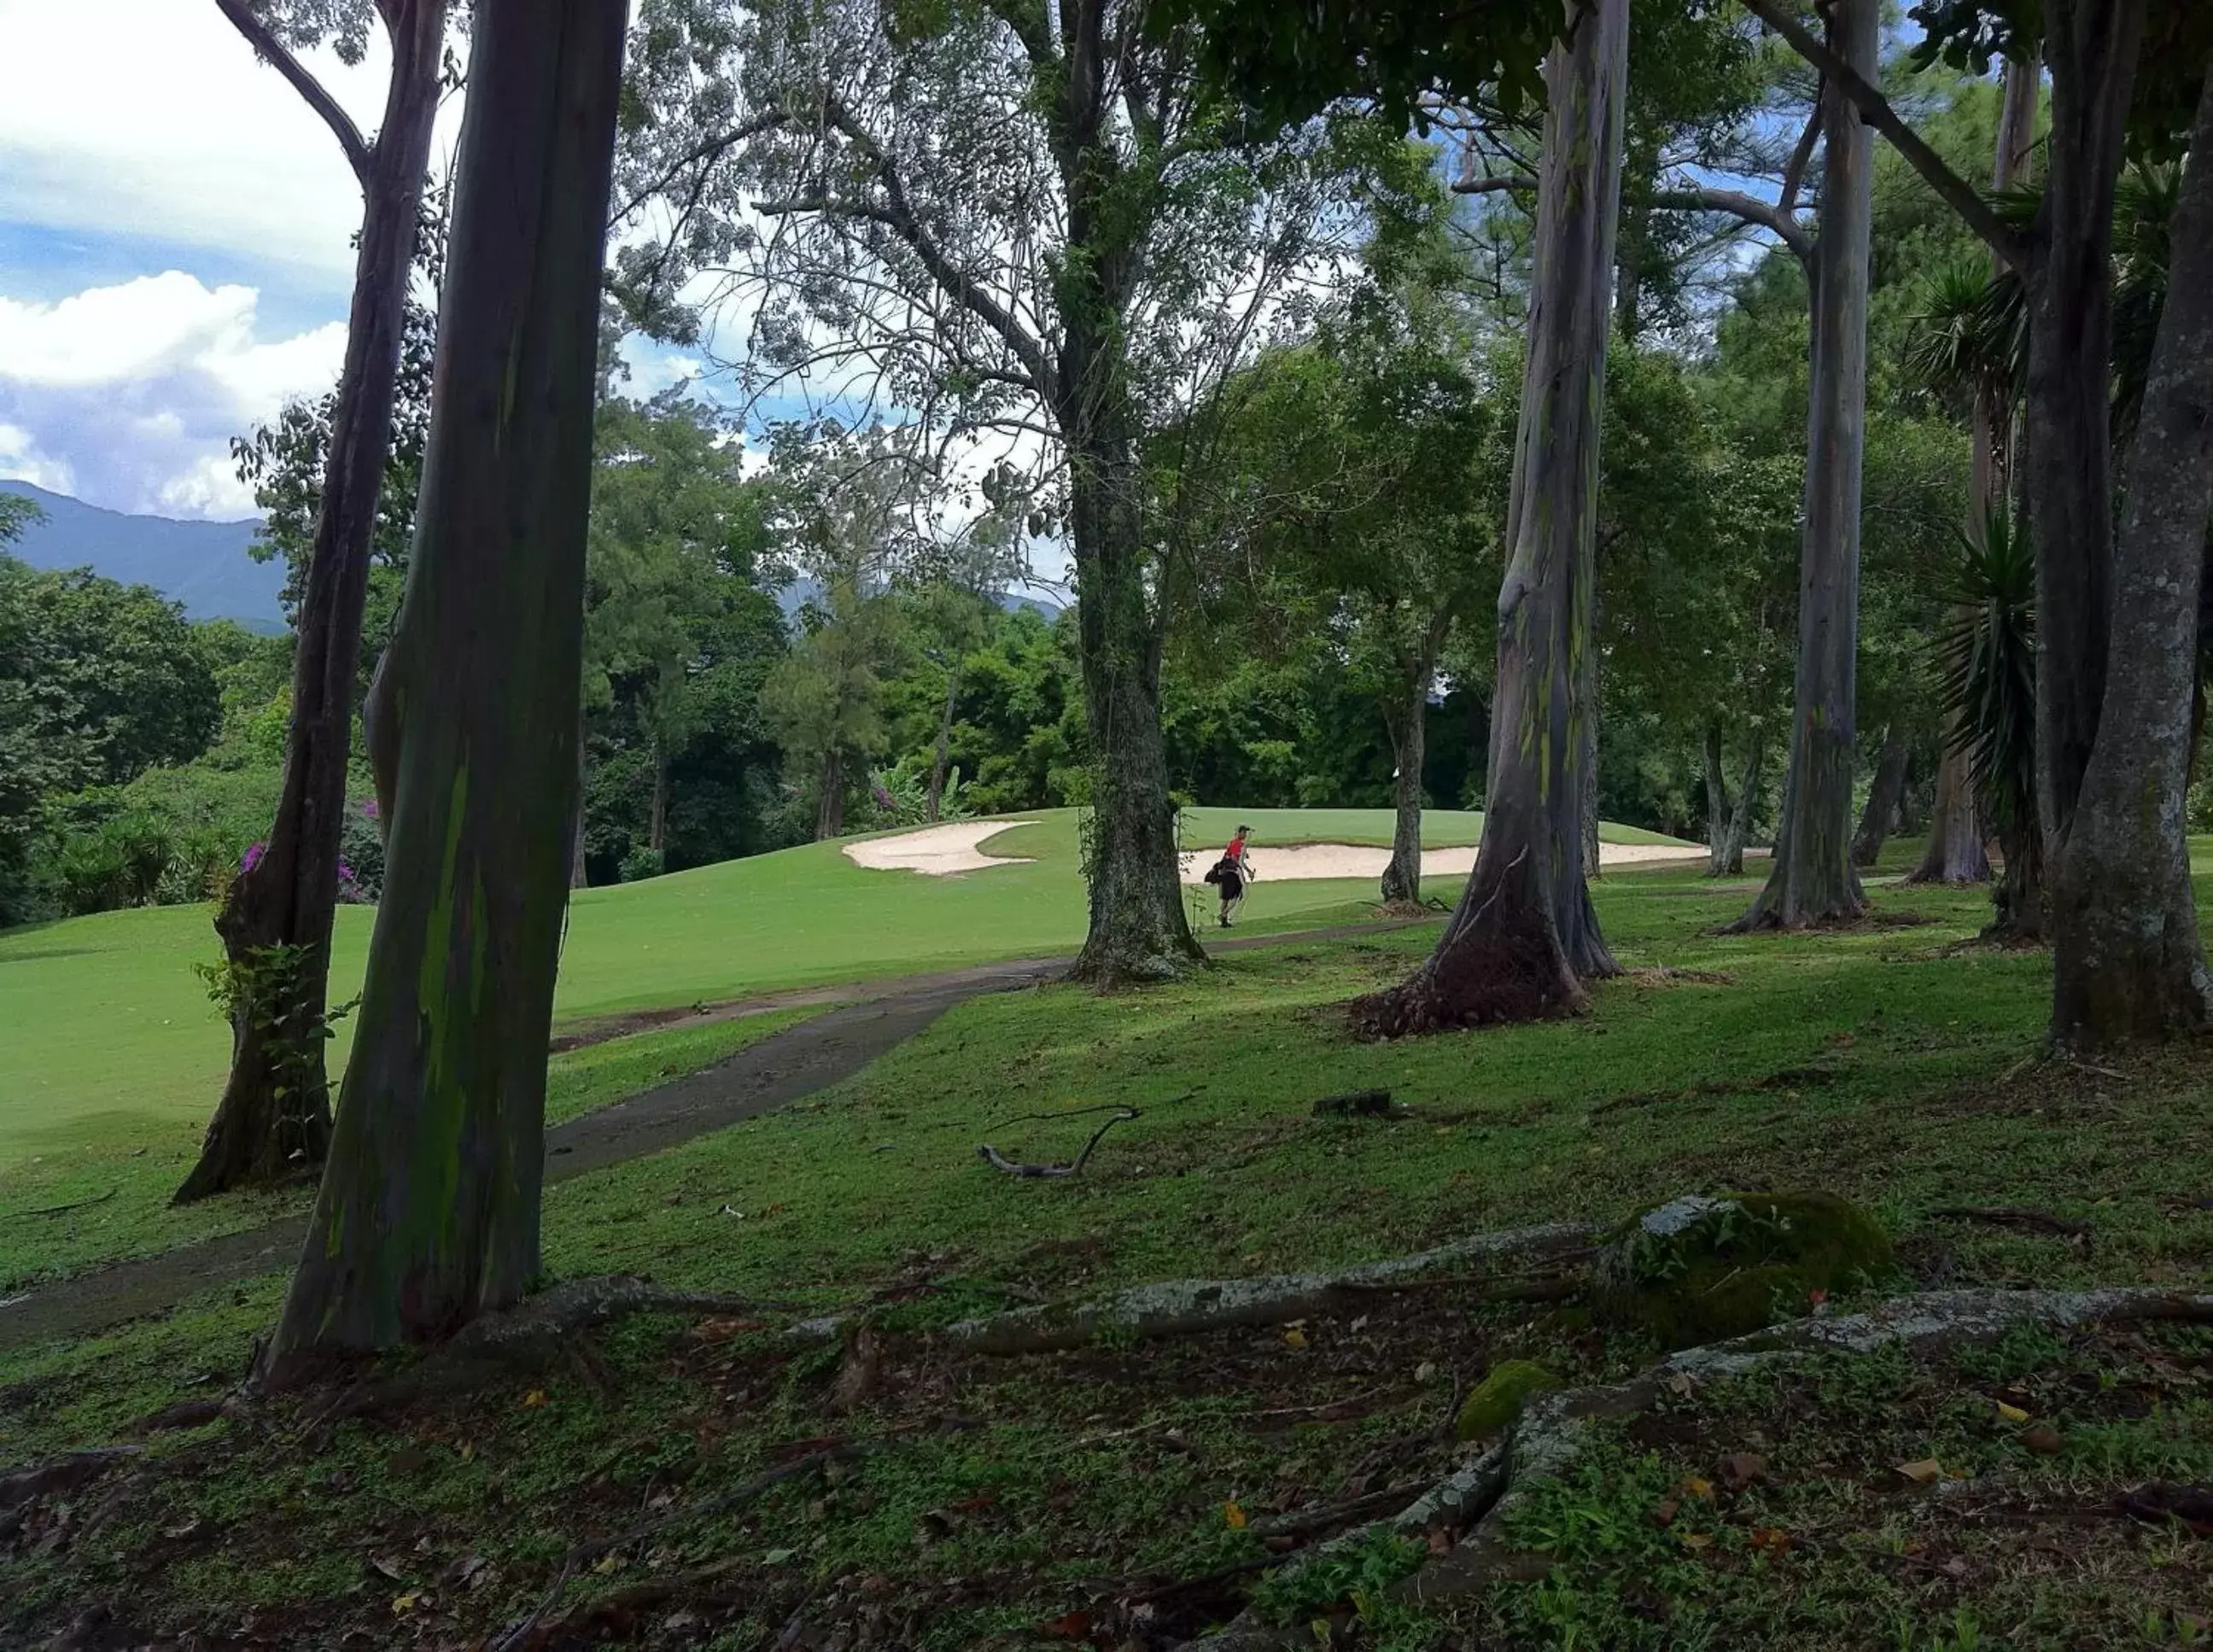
[1988, 665]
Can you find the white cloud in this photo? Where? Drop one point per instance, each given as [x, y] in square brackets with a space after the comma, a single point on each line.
[20, 458]
[127, 396]
[154, 119]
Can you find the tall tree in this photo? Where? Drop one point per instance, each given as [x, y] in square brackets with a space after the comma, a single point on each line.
[2128, 962]
[1036, 226]
[429, 1211]
[676, 535]
[1812, 878]
[1956, 851]
[2122, 72]
[1524, 934]
[275, 1110]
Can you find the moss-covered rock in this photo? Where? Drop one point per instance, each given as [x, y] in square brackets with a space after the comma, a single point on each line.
[1697, 1269]
[1498, 1398]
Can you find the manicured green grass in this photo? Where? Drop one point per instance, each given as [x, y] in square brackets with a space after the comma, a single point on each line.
[107, 1037]
[1887, 1063]
[103, 1197]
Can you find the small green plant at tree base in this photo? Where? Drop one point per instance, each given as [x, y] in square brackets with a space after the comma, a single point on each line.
[267, 989]
[1358, 1574]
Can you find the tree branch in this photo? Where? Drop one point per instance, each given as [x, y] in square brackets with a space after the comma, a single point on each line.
[274, 52]
[1515, 182]
[1794, 170]
[1955, 191]
[895, 215]
[1750, 209]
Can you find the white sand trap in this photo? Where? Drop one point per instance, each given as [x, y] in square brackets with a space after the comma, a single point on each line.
[1295, 862]
[936, 851]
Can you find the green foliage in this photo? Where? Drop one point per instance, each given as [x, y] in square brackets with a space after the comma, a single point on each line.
[1288, 63]
[1990, 671]
[679, 634]
[1357, 1574]
[98, 683]
[269, 989]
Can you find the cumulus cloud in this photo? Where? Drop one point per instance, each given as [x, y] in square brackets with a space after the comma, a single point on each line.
[127, 396]
[153, 118]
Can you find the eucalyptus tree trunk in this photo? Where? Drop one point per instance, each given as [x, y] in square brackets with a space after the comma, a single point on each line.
[2127, 963]
[1813, 879]
[1409, 730]
[428, 1212]
[935, 802]
[1717, 802]
[656, 828]
[1524, 934]
[1587, 692]
[1883, 793]
[830, 807]
[1956, 853]
[274, 1119]
[1748, 794]
[2091, 48]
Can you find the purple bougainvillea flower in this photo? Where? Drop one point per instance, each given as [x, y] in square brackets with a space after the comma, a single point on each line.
[346, 872]
[251, 858]
[368, 808]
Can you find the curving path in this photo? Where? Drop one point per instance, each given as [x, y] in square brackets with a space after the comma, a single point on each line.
[819, 1052]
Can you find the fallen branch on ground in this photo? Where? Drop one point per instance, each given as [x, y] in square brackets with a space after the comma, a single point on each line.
[1074, 1169]
[63, 1210]
[2011, 1216]
[1183, 1306]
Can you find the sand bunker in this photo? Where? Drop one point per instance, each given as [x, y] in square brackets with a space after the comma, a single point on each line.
[1294, 862]
[938, 850]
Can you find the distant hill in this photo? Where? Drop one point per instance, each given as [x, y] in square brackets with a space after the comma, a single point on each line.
[203, 565]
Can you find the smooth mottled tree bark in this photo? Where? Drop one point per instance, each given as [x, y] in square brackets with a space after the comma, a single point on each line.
[274, 1118]
[1525, 936]
[1812, 879]
[1409, 730]
[1884, 790]
[1956, 853]
[428, 1213]
[2091, 48]
[2127, 963]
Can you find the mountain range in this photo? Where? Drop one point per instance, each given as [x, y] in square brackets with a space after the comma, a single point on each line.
[205, 566]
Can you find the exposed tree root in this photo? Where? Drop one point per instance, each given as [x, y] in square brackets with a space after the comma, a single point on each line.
[65, 1473]
[1494, 973]
[533, 1336]
[1479, 1498]
[1182, 1306]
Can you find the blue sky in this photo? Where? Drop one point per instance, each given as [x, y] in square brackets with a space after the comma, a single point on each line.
[174, 247]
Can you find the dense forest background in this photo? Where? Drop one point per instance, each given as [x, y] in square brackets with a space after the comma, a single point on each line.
[808, 636]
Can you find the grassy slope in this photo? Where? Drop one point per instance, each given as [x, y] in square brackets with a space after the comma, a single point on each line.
[107, 1038]
[873, 1191]
[121, 1190]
